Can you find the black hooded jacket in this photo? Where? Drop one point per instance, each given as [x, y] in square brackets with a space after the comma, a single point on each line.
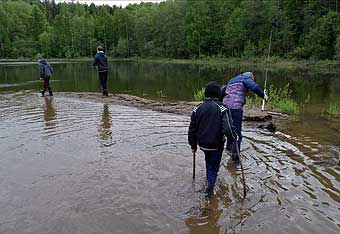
[45, 69]
[100, 60]
[210, 121]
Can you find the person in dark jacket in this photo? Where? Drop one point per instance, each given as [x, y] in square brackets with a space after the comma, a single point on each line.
[45, 72]
[210, 121]
[233, 95]
[100, 60]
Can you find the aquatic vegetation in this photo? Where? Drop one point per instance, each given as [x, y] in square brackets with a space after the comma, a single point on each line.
[333, 110]
[279, 99]
[199, 94]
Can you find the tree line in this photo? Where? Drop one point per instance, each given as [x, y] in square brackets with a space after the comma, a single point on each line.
[174, 29]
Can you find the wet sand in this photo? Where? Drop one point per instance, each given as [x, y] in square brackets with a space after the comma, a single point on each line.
[180, 107]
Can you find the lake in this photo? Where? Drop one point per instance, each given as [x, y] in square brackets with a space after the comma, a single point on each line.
[70, 165]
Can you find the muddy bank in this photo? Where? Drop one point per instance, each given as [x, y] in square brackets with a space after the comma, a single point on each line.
[253, 114]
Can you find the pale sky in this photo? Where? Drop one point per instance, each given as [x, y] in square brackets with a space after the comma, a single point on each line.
[122, 3]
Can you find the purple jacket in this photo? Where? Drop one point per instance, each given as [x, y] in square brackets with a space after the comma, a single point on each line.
[234, 93]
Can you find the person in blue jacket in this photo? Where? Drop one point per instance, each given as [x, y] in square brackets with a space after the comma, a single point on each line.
[100, 60]
[233, 95]
[45, 72]
[210, 122]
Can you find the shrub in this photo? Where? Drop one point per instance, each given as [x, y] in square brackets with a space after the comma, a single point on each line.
[279, 98]
[199, 94]
[333, 110]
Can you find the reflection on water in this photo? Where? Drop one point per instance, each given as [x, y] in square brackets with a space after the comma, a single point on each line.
[105, 125]
[75, 166]
[49, 113]
[207, 219]
[314, 91]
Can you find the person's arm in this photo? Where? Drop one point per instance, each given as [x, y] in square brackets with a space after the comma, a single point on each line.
[192, 138]
[41, 70]
[50, 67]
[251, 85]
[95, 62]
[227, 124]
[222, 93]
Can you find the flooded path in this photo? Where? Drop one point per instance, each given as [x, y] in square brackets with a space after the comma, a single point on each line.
[69, 165]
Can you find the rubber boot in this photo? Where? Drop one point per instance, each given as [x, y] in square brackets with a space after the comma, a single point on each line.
[209, 192]
[105, 94]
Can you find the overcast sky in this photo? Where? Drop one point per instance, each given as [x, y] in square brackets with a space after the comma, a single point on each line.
[122, 3]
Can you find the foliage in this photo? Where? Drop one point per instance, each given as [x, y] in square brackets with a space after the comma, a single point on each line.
[199, 94]
[322, 39]
[333, 110]
[279, 99]
[172, 29]
[337, 48]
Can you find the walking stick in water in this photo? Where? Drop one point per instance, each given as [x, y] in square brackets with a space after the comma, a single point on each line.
[193, 164]
[242, 171]
[267, 65]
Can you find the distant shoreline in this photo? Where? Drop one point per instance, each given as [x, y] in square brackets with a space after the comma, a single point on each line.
[326, 66]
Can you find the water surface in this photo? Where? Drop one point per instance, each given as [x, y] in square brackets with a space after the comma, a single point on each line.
[76, 166]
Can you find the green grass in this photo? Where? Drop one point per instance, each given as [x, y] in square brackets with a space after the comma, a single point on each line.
[333, 110]
[279, 99]
[199, 95]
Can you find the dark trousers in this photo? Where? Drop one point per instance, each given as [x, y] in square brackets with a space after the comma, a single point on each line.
[237, 116]
[103, 82]
[46, 86]
[212, 163]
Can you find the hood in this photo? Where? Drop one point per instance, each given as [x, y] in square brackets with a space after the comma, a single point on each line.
[43, 61]
[212, 90]
[101, 53]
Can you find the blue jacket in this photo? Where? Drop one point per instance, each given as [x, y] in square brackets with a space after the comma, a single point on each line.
[100, 60]
[45, 69]
[234, 93]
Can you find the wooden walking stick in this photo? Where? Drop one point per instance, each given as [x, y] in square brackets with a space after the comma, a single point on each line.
[242, 171]
[194, 164]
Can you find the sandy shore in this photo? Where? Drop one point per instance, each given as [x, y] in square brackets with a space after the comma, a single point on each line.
[179, 107]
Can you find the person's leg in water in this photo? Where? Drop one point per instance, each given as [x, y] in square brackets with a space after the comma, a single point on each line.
[212, 160]
[47, 86]
[237, 116]
[103, 82]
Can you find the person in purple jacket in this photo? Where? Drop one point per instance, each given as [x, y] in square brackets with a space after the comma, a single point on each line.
[233, 95]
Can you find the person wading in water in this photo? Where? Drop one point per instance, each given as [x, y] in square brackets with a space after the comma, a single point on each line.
[233, 95]
[210, 121]
[45, 72]
[100, 60]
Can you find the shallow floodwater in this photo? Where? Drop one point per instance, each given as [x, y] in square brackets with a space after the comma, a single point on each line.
[76, 166]
[71, 165]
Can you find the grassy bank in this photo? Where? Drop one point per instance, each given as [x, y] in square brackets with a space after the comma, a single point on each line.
[279, 100]
[333, 110]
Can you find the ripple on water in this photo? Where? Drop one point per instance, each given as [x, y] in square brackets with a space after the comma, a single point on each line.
[74, 166]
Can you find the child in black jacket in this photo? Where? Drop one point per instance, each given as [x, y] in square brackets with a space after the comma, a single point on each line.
[210, 122]
[100, 60]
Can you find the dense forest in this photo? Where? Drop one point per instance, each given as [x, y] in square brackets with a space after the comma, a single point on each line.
[175, 28]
